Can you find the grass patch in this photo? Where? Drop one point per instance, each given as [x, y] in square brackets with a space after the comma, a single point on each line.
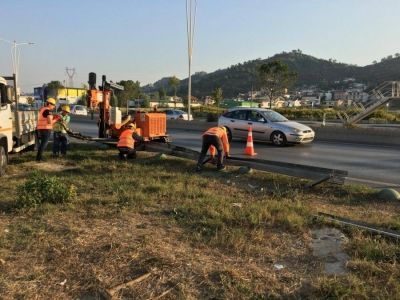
[92, 221]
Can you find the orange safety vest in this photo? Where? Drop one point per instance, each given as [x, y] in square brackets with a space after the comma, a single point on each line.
[126, 140]
[42, 122]
[221, 134]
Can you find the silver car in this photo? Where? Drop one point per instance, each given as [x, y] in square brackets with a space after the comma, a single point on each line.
[266, 125]
[177, 114]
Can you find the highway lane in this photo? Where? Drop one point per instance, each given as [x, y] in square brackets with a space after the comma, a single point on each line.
[371, 165]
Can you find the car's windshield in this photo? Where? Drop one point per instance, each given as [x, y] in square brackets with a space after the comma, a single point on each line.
[273, 116]
[180, 112]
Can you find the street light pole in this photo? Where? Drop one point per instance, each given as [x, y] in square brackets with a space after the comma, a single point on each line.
[15, 59]
[190, 24]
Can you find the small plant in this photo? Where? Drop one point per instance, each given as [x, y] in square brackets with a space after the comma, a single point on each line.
[40, 189]
[212, 117]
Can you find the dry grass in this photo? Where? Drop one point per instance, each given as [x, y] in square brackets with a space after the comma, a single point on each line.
[187, 232]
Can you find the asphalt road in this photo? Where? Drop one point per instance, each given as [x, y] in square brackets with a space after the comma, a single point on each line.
[370, 165]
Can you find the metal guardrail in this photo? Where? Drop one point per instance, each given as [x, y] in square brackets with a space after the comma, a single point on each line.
[316, 174]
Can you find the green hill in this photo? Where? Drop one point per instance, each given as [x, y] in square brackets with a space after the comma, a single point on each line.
[325, 74]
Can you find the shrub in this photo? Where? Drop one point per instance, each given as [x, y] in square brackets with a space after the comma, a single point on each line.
[212, 117]
[40, 189]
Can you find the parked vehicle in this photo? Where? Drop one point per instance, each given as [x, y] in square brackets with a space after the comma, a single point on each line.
[24, 106]
[78, 110]
[177, 114]
[17, 127]
[266, 125]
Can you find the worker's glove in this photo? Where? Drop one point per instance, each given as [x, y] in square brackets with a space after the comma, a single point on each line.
[57, 117]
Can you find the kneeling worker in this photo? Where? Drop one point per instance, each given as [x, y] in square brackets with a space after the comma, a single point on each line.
[217, 137]
[126, 143]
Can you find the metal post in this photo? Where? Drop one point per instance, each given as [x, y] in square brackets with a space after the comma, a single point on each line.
[190, 24]
[15, 61]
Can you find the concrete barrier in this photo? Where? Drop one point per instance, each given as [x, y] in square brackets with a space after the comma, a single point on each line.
[374, 136]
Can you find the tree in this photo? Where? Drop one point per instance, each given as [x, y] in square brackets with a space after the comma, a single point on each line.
[397, 55]
[53, 88]
[174, 83]
[131, 91]
[155, 96]
[146, 100]
[163, 93]
[374, 62]
[114, 101]
[30, 100]
[275, 77]
[217, 96]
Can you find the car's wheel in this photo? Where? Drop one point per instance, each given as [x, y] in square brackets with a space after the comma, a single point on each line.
[229, 134]
[3, 161]
[278, 138]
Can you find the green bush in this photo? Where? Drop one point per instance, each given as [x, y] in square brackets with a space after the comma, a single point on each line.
[40, 189]
[212, 117]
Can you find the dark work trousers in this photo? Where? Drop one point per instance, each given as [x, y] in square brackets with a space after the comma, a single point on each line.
[125, 153]
[57, 139]
[208, 140]
[44, 135]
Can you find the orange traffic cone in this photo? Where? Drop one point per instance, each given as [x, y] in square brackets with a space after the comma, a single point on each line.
[249, 147]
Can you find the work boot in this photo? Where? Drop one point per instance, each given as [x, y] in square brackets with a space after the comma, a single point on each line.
[132, 155]
[221, 167]
[198, 169]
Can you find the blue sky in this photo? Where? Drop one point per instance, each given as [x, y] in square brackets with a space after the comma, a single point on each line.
[146, 40]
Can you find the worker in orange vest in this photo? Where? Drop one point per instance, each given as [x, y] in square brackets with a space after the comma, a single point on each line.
[45, 126]
[217, 137]
[126, 143]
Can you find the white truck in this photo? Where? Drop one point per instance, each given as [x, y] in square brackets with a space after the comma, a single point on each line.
[17, 128]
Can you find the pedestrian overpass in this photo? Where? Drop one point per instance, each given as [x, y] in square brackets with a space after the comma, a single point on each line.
[377, 98]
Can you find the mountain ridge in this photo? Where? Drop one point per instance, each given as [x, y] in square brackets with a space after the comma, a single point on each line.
[325, 74]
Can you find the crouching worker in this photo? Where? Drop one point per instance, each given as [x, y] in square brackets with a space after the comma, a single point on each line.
[126, 143]
[217, 137]
[60, 133]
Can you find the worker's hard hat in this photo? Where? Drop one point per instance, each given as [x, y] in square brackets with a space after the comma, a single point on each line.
[66, 108]
[223, 127]
[51, 101]
[131, 126]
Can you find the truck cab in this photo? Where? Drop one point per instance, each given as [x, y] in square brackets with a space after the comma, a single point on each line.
[6, 96]
[17, 127]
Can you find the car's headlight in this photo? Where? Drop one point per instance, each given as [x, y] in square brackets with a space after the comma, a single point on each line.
[296, 130]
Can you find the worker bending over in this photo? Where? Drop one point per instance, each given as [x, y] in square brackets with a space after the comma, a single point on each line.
[217, 137]
[126, 143]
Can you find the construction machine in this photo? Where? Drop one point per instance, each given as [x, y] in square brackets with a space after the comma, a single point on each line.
[111, 123]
